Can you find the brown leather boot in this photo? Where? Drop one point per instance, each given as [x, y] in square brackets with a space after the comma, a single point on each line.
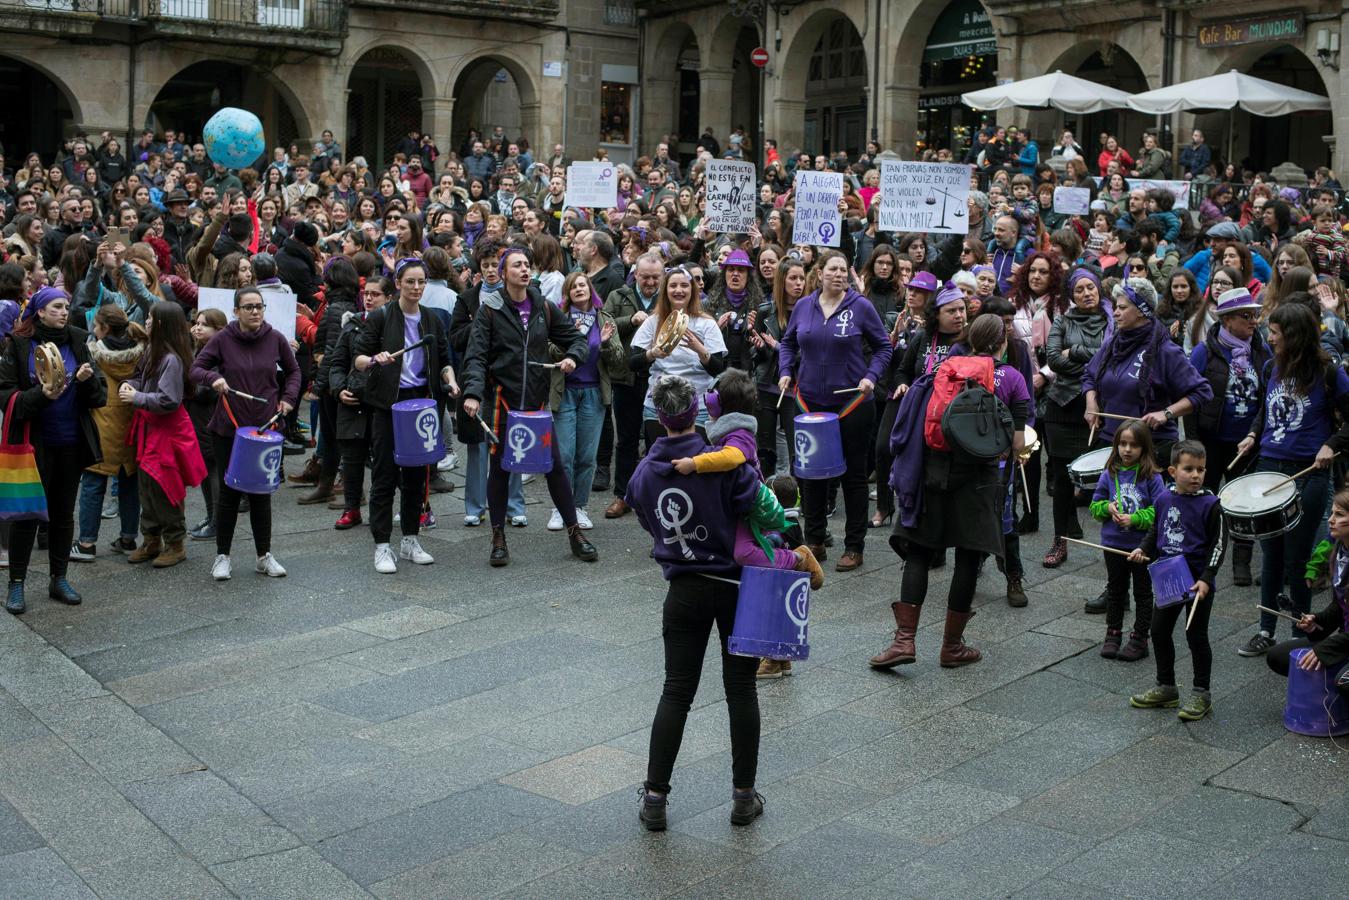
[172, 554]
[901, 651]
[310, 474]
[148, 550]
[954, 651]
[322, 492]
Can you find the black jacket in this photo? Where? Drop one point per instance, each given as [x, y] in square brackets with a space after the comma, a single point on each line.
[1217, 370]
[295, 268]
[89, 394]
[353, 422]
[53, 242]
[500, 348]
[734, 334]
[330, 328]
[461, 326]
[609, 279]
[383, 330]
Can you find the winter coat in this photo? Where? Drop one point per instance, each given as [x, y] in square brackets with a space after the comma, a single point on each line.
[117, 363]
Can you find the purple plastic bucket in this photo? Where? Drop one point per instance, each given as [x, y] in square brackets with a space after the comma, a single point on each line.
[417, 440]
[819, 447]
[528, 446]
[1171, 578]
[1314, 705]
[772, 614]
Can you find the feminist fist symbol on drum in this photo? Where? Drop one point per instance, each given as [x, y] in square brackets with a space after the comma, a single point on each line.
[798, 606]
[521, 440]
[673, 510]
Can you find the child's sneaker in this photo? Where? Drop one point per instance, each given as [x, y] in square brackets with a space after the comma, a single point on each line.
[1110, 649]
[1163, 696]
[1199, 705]
[1134, 649]
[806, 562]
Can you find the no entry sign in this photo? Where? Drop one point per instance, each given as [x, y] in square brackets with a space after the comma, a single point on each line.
[759, 56]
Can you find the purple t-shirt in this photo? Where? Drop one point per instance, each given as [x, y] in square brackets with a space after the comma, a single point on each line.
[1295, 425]
[1129, 497]
[587, 374]
[414, 361]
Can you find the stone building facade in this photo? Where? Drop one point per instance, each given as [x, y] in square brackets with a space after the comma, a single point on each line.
[368, 70]
[842, 71]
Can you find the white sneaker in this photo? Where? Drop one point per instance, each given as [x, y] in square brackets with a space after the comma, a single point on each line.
[4, 558]
[384, 561]
[398, 518]
[449, 463]
[555, 521]
[267, 565]
[583, 519]
[221, 570]
[527, 478]
[411, 549]
[519, 521]
[472, 521]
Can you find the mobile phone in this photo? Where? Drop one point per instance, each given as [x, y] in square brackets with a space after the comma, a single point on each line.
[118, 236]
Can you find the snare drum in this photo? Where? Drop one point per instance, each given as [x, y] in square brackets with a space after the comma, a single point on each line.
[1251, 515]
[1085, 471]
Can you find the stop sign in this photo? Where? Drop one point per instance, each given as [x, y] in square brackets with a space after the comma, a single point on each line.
[759, 56]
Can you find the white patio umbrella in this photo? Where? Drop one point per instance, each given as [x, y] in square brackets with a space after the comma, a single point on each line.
[1066, 92]
[1230, 89]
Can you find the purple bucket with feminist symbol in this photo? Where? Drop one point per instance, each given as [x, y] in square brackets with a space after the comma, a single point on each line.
[1314, 705]
[772, 614]
[255, 461]
[528, 446]
[417, 439]
[819, 446]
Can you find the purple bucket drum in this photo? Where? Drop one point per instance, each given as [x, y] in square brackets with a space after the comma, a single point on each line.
[417, 440]
[255, 461]
[819, 447]
[528, 446]
[1314, 706]
[771, 615]
[1171, 581]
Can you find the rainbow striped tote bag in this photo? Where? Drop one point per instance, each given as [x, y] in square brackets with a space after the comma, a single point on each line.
[21, 493]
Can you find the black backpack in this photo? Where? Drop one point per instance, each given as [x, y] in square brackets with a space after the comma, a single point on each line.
[977, 424]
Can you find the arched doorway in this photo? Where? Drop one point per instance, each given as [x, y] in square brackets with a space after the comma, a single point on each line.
[1269, 141]
[190, 98]
[823, 74]
[486, 97]
[670, 91]
[960, 55]
[38, 112]
[384, 103]
[745, 89]
[687, 127]
[1114, 67]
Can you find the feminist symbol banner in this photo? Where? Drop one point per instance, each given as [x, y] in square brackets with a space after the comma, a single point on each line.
[730, 196]
[817, 219]
[592, 184]
[926, 197]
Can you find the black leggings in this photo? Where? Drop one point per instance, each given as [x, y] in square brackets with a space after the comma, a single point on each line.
[355, 456]
[885, 496]
[692, 604]
[386, 476]
[960, 596]
[227, 505]
[771, 417]
[1065, 498]
[332, 454]
[59, 468]
[498, 486]
[1164, 648]
[1118, 572]
[855, 430]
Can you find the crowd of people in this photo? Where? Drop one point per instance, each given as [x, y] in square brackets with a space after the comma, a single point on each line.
[1143, 355]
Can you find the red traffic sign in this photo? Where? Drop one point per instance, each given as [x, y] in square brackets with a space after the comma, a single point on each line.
[759, 56]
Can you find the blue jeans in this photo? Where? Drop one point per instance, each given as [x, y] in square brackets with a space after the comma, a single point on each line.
[92, 489]
[1284, 558]
[577, 427]
[475, 485]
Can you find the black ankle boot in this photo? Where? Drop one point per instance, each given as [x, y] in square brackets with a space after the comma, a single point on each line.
[500, 555]
[581, 548]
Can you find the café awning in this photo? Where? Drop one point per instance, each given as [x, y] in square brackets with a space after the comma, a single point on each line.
[1226, 91]
[1066, 92]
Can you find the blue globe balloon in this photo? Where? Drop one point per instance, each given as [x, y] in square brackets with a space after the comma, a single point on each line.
[233, 138]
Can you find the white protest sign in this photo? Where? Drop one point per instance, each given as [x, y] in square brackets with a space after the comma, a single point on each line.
[1178, 189]
[817, 217]
[927, 197]
[1074, 201]
[280, 311]
[592, 184]
[730, 196]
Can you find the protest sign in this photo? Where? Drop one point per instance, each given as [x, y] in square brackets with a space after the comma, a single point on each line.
[927, 197]
[730, 196]
[280, 311]
[1178, 189]
[1074, 201]
[817, 216]
[592, 184]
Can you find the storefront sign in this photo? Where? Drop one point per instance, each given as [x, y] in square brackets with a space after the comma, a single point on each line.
[1233, 32]
[592, 184]
[962, 30]
[930, 197]
[730, 196]
[817, 216]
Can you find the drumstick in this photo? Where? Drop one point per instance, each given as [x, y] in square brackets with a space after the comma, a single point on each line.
[246, 396]
[1294, 477]
[848, 390]
[544, 365]
[397, 353]
[1101, 547]
[1024, 484]
[270, 422]
[491, 436]
[1117, 416]
[781, 393]
[1236, 459]
[1280, 613]
[1194, 607]
[1091, 438]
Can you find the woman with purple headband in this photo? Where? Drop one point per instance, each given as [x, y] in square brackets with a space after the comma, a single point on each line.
[58, 424]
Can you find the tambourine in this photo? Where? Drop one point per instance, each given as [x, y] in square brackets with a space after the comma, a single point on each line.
[672, 331]
[50, 367]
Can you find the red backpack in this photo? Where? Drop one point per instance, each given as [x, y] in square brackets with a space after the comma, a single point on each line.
[948, 381]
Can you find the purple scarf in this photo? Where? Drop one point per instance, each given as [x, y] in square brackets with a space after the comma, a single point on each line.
[736, 298]
[1241, 350]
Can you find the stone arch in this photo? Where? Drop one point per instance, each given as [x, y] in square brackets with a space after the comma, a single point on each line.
[35, 124]
[672, 95]
[473, 95]
[188, 97]
[794, 67]
[410, 54]
[1104, 61]
[388, 88]
[790, 125]
[667, 45]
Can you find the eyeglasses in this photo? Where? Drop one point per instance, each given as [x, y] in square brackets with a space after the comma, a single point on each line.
[1137, 268]
[253, 307]
[1221, 281]
[1247, 316]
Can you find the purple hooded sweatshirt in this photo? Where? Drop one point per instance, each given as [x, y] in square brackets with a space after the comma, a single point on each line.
[1117, 389]
[828, 355]
[693, 519]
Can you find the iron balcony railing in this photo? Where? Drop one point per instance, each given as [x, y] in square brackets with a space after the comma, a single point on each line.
[313, 17]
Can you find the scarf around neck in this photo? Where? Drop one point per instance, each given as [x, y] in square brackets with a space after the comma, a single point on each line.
[1240, 350]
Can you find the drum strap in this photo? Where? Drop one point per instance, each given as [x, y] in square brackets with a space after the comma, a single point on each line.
[501, 407]
[229, 412]
[842, 413]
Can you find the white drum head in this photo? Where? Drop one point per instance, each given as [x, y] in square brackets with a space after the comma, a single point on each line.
[1091, 462]
[1245, 495]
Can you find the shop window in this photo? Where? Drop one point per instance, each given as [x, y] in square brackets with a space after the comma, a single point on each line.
[615, 113]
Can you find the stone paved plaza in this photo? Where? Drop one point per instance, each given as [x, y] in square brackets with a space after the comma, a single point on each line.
[462, 731]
